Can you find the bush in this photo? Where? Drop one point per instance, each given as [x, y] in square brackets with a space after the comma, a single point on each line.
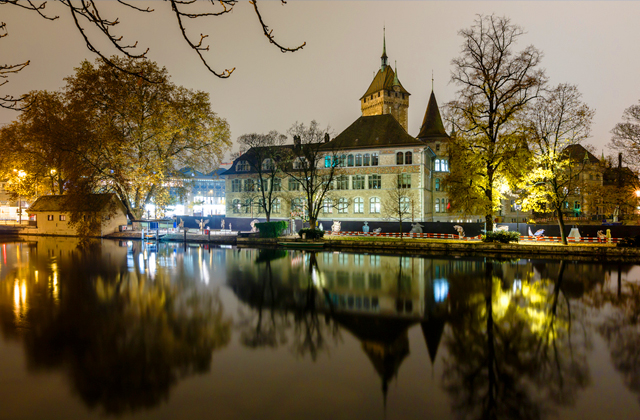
[630, 242]
[501, 236]
[312, 233]
[271, 229]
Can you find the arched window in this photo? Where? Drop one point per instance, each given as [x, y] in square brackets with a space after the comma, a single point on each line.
[437, 205]
[327, 205]
[358, 205]
[405, 204]
[327, 161]
[444, 165]
[437, 166]
[242, 166]
[350, 160]
[275, 206]
[408, 158]
[367, 159]
[358, 159]
[374, 205]
[343, 160]
[343, 205]
[399, 158]
[267, 165]
[437, 184]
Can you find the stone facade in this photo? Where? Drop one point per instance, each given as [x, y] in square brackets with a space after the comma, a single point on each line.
[387, 102]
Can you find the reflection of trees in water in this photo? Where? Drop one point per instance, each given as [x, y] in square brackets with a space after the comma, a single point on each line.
[124, 339]
[514, 354]
[621, 329]
[274, 304]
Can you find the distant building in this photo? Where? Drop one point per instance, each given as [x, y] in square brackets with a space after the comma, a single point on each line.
[51, 214]
[196, 193]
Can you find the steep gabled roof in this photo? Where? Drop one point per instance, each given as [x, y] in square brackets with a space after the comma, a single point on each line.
[373, 131]
[432, 126]
[87, 203]
[384, 80]
[252, 156]
[578, 153]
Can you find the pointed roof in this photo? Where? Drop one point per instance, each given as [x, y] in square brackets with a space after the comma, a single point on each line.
[373, 131]
[432, 123]
[384, 80]
[383, 57]
[578, 153]
[432, 330]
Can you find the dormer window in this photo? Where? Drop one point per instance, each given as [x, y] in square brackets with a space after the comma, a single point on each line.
[298, 163]
[267, 165]
[242, 166]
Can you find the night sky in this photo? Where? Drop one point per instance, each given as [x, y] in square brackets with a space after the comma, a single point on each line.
[591, 44]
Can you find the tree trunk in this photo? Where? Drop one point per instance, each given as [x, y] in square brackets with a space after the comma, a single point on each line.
[401, 235]
[563, 236]
[312, 222]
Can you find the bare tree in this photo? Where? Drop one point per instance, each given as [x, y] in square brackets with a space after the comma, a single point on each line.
[558, 120]
[265, 151]
[496, 84]
[399, 205]
[8, 101]
[626, 136]
[99, 31]
[312, 163]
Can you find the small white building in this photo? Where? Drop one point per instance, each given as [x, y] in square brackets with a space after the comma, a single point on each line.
[53, 214]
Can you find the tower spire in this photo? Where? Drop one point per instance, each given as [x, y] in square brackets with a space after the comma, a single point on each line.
[396, 82]
[431, 80]
[383, 58]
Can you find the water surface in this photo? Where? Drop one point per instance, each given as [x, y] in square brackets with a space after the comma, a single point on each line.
[124, 330]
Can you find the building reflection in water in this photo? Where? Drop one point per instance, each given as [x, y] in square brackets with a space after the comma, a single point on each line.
[127, 321]
[123, 329]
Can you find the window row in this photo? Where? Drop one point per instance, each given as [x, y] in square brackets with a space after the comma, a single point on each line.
[358, 159]
[342, 205]
[250, 185]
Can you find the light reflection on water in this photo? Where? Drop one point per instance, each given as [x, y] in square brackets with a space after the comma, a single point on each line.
[167, 331]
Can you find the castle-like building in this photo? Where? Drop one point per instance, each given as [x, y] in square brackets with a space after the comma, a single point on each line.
[377, 157]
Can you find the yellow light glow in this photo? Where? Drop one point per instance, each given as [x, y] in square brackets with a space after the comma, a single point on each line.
[16, 294]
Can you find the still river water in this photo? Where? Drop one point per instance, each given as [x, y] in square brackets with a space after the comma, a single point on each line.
[123, 331]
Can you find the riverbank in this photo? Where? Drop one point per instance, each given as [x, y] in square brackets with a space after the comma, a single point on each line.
[388, 245]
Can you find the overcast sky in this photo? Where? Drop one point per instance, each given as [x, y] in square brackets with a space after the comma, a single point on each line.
[591, 44]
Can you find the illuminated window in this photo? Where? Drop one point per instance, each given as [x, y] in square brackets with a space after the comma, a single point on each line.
[327, 205]
[275, 206]
[236, 206]
[343, 205]
[437, 184]
[358, 205]
[50, 217]
[374, 205]
[63, 217]
[437, 205]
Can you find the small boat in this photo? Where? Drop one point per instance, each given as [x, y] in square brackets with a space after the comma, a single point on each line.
[302, 245]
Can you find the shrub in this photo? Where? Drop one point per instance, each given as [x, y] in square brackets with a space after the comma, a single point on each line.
[629, 242]
[312, 233]
[501, 236]
[271, 229]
